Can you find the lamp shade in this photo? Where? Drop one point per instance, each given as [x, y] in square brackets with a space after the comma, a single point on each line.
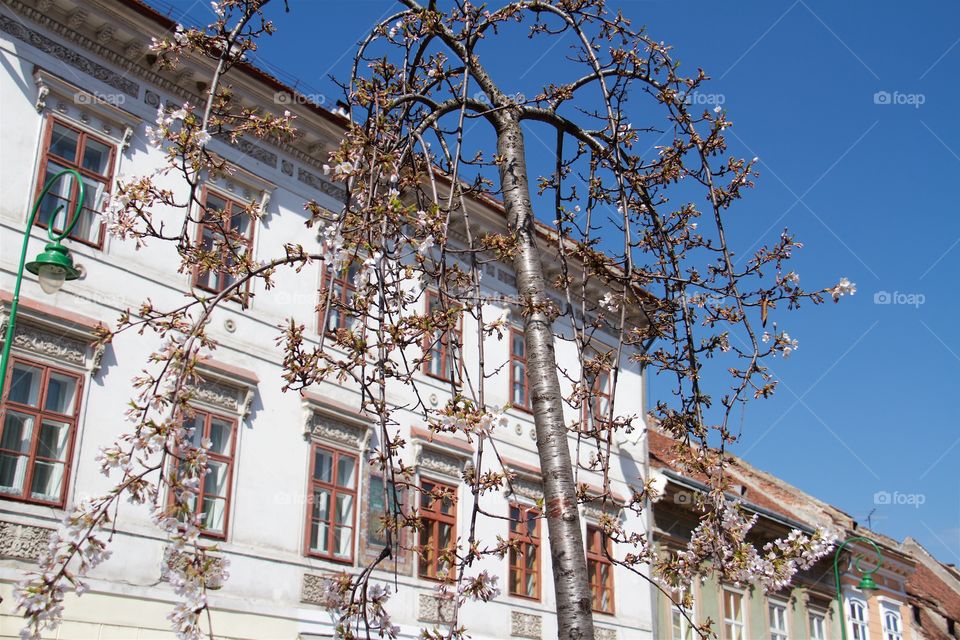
[867, 585]
[53, 267]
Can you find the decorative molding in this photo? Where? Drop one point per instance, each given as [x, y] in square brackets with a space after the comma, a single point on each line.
[323, 426]
[45, 343]
[286, 167]
[63, 53]
[103, 107]
[435, 609]
[174, 560]
[23, 541]
[312, 589]
[321, 184]
[441, 462]
[231, 398]
[596, 512]
[105, 34]
[527, 488]
[525, 625]
[604, 633]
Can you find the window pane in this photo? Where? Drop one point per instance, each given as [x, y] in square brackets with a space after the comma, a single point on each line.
[240, 221]
[214, 205]
[321, 505]
[17, 431]
[376, 508]
[213, 513]
[96, 157]
[215, 482]
[344, 513]
[342, 541]
[59, 195]
[517, 345]
[221, 433]
[446, 535]
[319, 537]
[323, 466]
[47, 480]
[25, 384]
[61, 393]
[531, 557]
[13, 470]
[346, 472]
[53, 440]
[88, 223]
[63, 142]
[196, 423]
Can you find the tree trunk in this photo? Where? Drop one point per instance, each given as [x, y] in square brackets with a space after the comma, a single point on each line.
[571, 582]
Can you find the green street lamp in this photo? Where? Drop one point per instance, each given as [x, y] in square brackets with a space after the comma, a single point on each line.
[867, 584]
[52, 267]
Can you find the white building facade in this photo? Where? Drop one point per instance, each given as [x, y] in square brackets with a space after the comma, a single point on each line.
[77, 90]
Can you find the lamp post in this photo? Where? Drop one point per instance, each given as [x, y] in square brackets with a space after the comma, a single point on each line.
[52, 267]
[867, 584]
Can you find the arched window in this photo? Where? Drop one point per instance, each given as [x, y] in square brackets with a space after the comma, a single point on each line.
[857, 613]
[892, 626]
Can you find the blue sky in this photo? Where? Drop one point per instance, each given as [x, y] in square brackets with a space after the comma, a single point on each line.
[851, 108]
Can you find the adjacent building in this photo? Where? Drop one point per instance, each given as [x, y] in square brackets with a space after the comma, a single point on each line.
[808, 608]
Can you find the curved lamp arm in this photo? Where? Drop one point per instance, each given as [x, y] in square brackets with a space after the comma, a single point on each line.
[866, 582]
[53, 246]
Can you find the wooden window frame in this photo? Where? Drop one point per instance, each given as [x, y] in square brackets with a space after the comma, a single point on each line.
[598, 394]
[523, 541]
[106, 179]
[863, 624]
[201, 226]
[775, 633]
[680, 613]
[39, 414]
[217, 457]
[432, 516]
[334, 490]
[741, 622]
[598, 557]
[822, 617]
[888, 633]
[527, 406]
[373, 518]
[444, 344]
[348, 288]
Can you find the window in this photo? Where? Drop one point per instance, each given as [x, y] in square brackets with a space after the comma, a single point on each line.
[857, 610]
[778, 620]
[733, 619]
[212, 500]
[818, 629]
[681, 615]
[600, 569]
[519, 385]
[39, 421]
[524, 552]
[68, 148]
[335, 300]
[333, 494]
[439, 523]
[379, 493]
[598, 404]
[439, 347]
[892, 627]
[227, 229]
